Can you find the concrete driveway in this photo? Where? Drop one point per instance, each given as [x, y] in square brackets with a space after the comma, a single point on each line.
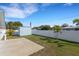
[18, 47]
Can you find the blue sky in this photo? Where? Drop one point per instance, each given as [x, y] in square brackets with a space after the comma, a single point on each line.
[41, 14]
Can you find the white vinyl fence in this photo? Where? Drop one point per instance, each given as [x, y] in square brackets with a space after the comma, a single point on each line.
[65, 35]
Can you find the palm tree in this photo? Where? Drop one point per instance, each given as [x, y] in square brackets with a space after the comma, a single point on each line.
[76, 21]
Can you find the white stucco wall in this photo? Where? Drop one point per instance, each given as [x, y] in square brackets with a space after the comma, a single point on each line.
[25, 31]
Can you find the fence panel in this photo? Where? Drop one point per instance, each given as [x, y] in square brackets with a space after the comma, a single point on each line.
[65, 35]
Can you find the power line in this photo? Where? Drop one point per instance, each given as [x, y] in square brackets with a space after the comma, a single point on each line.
[76, 16]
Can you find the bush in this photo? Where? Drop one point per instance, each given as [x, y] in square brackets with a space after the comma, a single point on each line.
[76, 28]
[10, 32]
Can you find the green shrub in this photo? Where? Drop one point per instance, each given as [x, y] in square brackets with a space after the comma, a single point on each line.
[10, 32]
[76, 28]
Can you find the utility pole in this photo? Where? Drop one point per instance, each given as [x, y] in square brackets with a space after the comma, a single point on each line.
[30, 24]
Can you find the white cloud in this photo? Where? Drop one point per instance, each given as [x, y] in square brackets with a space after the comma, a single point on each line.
[14, 11]
[30, 10]
[14, 5]
[68, 4]
[7, 20]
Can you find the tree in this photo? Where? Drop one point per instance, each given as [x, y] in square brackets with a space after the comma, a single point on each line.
[17, 24]
[65, 25]
[9, 25]
[44, 27]
[57, 29]
[35, 28]
[76, 21]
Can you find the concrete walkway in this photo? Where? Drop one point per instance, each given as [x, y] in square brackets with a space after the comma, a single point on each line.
[18, 47]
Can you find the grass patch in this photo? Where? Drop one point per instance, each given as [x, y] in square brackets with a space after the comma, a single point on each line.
[55, 46]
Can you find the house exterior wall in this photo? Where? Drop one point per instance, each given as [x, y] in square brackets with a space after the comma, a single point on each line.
[65, 35]
[2, 25]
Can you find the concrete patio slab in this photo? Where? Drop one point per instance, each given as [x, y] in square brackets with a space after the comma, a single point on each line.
[18, 47]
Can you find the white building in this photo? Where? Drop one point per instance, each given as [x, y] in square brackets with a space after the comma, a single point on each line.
[23, 31]
[2, 25]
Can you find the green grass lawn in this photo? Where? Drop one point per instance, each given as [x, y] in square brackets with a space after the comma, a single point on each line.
[54, 46]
